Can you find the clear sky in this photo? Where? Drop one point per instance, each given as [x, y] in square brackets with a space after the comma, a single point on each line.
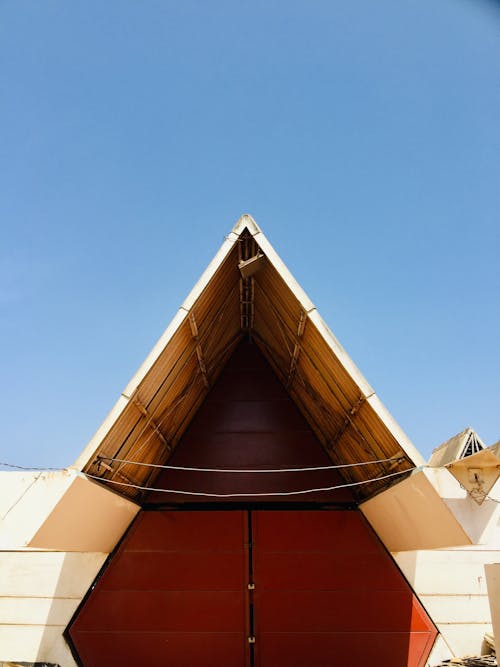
[364, 138]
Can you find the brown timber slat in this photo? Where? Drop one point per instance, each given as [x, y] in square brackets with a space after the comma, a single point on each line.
[281, 304]
[331, 367]
[225, 277]
[141, 434]
[168, 361]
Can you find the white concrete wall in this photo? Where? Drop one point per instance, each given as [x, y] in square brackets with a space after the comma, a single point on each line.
[442, 540]
[451, 583]
[440, 652]
[39, 593]
[480, 522]
[493, 582]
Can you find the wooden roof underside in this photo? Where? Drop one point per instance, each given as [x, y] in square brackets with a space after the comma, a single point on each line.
[158, 404]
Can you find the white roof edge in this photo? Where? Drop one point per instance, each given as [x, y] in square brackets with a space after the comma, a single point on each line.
[162, 342]
[247, 221]
[396, 430]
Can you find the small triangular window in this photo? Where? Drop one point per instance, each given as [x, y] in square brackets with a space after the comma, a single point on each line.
[472, 446]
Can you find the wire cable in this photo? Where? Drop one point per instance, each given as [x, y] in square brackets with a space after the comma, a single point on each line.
[247, 470]
[250, 495]
[10, 465]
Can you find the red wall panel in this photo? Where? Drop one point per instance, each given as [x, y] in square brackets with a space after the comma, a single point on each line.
[343, 649]
[173, 594]
[327, 593]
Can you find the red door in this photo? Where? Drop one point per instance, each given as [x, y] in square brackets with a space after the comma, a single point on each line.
[251, 589]
[174, 594]
[327, 593]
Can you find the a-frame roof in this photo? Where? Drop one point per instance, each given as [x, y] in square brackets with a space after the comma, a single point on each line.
[226, 304]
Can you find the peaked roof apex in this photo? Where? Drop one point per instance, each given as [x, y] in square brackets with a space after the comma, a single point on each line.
[247, 221]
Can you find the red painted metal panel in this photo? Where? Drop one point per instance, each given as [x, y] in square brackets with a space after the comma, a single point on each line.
[327, 570]
[278, 449]
[250, 416]
[187, 531]
[327, 593]
[177, 584]
[331, 649]
[164, 611]
[305, 531]
[172, 571]
[148, 649]
[344, 611]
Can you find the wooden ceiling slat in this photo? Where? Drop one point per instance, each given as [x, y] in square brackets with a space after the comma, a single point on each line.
[187, 414]
[332, 369]
[170, 404]
[325, 390]
[282, 301]
[223, 280]
[141, 439]
[180, 375]
[274, 338]
[310, 412]
[121, 431]
[167, 364]
[328, 421]
[221, 331]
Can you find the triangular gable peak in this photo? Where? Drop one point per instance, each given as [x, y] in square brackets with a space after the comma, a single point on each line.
[247, 292]
[464, 444]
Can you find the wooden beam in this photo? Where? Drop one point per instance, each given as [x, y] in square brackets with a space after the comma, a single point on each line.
[247, 285]
[122, 476]
[199, 351]
[151, 423]
[349, 420]
[101, 462]
[296, 350]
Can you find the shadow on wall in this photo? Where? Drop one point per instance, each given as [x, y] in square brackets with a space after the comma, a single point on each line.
[77, 571]
[40, 591]
[479, 521]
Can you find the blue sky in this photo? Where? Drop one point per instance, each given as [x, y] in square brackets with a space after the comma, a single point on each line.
[363, 137]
